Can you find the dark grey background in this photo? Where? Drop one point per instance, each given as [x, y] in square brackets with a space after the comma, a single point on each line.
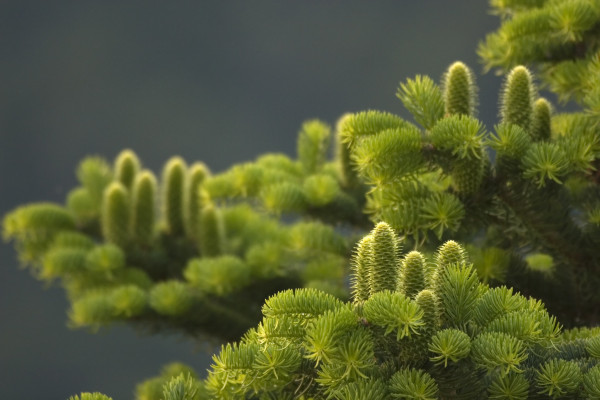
[215, 81]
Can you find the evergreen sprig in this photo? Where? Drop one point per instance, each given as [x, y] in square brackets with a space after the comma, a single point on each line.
[511, 189]
[130, 248]
[322, 348]
[524, 195]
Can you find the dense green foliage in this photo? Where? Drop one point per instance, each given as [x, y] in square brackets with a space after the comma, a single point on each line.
[524, 194]
[438, 334]
[426, 320]
[559, 37]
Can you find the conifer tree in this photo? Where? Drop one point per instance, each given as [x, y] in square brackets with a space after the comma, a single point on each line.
[130, 249]
[520, 200]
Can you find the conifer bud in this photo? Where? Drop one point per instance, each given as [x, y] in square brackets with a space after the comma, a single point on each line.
[428, 302]
[361, 269]
[450, 253]
[384, 264]
[143, 208]
[517, 98]
[211, 231]
[173, 180]
[456, 284]
[460, 94]
[192, 201]
[126, 168]
[313, 143]
[115, 215]
[540, 123]
[412, 279]
[342, 156]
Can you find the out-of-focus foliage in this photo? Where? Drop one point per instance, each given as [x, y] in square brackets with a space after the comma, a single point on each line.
[193, 251]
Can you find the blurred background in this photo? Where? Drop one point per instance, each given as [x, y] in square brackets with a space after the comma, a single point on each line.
[218, 81]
